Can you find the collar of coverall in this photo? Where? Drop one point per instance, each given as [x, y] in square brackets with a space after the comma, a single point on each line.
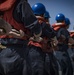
[38, 35]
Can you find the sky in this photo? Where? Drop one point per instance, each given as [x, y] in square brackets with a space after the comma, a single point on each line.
[54, 7]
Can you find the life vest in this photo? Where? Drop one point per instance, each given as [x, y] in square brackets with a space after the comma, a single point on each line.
[72, 33]
[6, 4]
[8, 17]
[57, 26]
[42, 44]
[40, 19]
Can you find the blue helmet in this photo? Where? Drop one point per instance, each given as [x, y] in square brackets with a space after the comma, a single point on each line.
[38, 8]
[46, 15]
[60, 17]
[67, 21]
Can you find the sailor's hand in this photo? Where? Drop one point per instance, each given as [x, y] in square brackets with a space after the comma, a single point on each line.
[54, 41]
[17, 34]
[71, 41]
[2, 31]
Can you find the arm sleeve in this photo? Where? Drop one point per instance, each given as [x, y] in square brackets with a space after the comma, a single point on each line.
[63, 32]
[7, 5]
[48, 31]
